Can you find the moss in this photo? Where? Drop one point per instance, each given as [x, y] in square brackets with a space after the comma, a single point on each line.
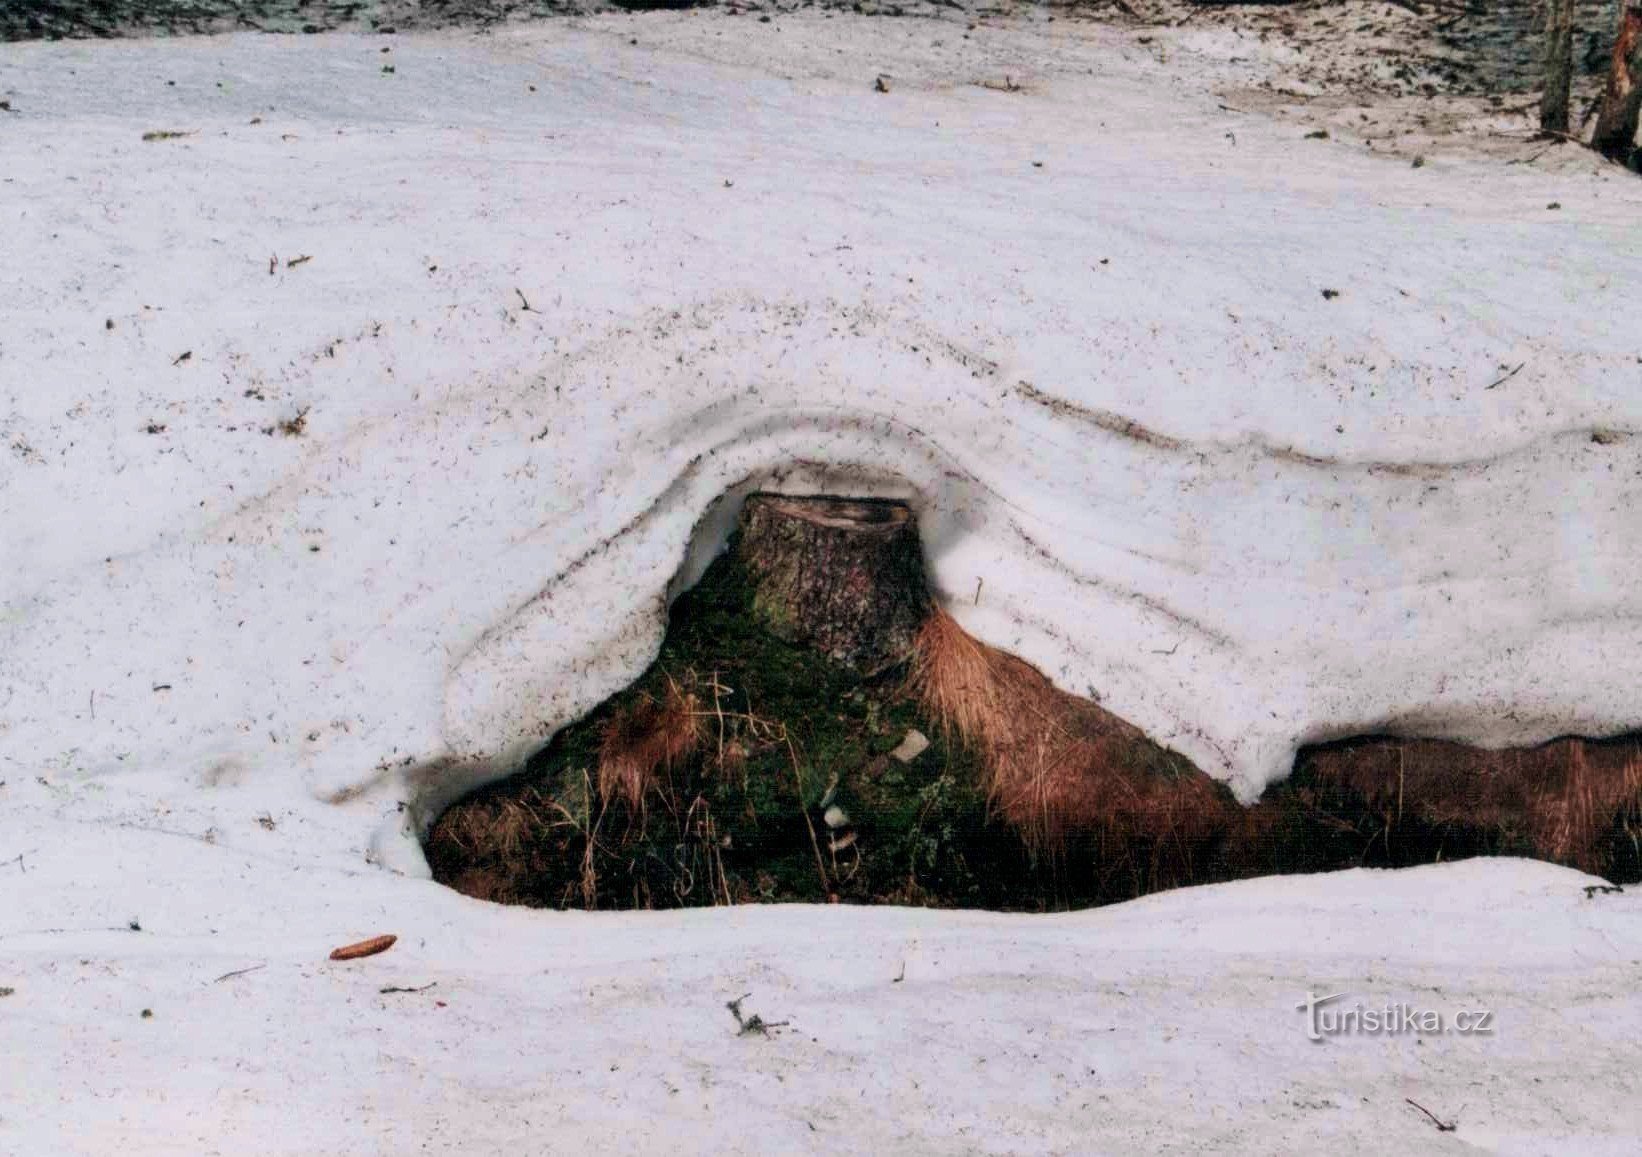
[784, 731]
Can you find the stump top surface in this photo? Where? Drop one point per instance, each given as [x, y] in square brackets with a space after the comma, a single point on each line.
[867, 514]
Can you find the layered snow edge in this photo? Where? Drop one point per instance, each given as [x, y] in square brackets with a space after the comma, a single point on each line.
[548, 335]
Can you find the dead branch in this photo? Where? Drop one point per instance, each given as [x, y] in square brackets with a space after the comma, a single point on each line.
[754, 1024]
[1442, 1126]
[1507, 376]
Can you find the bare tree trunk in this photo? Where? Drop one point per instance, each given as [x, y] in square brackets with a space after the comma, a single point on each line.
[842, 575]
[1559, 66]
[1622, 100]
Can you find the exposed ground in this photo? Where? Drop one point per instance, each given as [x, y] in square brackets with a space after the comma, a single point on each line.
[743, 769]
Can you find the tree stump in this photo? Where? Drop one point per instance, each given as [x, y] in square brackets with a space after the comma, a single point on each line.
[844, 576]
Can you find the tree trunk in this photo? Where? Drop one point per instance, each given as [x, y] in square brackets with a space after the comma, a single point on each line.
[1622, 100]
[842, 575]
[1559, 66]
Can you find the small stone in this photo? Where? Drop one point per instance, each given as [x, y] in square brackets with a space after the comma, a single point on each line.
[912, 746]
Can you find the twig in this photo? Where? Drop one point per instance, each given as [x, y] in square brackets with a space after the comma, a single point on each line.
[523, 300]
[902, 975]
[239, 972]
[978, 582]
[748, 1025]
[1442, 1126]
[396, 988]
[815, 845]
[18, 860]
[1509, 374]
[718, 711]
[303, 259]
[133, 926]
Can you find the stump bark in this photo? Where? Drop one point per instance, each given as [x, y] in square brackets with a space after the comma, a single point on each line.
[844, 576]
[1615, 134]
[1559, 66]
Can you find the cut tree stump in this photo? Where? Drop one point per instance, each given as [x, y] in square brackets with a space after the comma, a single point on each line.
[844, 576]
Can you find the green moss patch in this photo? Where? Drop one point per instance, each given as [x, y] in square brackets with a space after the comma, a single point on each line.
[786, 741]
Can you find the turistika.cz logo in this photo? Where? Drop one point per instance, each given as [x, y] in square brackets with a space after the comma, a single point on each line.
[1325, 1018]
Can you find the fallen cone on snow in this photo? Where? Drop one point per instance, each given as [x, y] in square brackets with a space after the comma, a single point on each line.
[364, 948]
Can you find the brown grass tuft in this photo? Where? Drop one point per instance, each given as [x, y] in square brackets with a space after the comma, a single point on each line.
[645, 741]
[1563, 798]
[1057, 765]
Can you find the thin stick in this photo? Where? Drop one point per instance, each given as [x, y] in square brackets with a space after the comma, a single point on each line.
[815, 845]
[1500, 381]
[239, 972]
[396, 988]
[718, 711]
[1442, 1126]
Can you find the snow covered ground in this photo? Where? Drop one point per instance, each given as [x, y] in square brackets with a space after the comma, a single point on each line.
[355, 436]
[1164, 1025]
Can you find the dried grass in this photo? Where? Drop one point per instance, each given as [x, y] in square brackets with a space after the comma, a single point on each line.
[644, 742]
[1056, 765]
[1563, 798]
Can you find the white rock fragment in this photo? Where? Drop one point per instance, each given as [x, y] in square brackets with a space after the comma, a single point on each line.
[912, 746]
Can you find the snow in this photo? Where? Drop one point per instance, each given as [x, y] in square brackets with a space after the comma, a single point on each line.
[1165, 1025]
[566, 298]
[1171, 469]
